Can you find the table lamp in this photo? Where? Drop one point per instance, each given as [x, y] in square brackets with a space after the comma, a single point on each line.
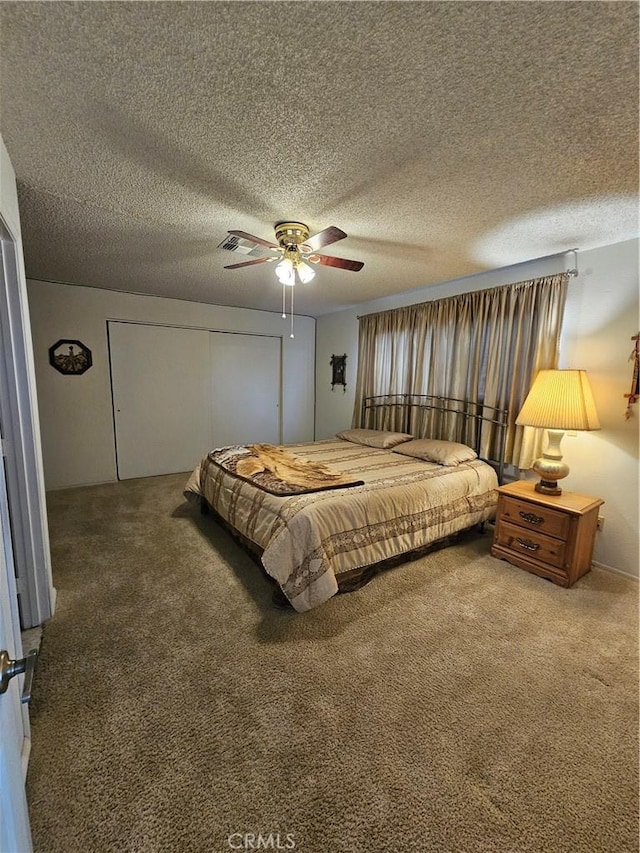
[559, 400]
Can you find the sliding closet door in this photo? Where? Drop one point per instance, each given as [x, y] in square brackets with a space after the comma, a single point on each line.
[245, 389]
[161, 394]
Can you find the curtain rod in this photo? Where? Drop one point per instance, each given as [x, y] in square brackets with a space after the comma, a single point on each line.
[571, 272]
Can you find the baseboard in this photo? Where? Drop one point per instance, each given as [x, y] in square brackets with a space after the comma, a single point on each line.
[62, 488]
[615, 571]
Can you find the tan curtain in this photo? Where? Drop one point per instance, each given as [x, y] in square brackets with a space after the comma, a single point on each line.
[487, 346]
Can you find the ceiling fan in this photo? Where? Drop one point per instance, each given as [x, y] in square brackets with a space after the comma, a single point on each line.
[294, 250]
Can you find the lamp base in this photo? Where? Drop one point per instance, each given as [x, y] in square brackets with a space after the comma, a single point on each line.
[550, 466]
[548, 487]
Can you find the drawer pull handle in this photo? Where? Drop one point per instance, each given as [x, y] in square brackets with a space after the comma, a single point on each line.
[531, 518]
[527, 544]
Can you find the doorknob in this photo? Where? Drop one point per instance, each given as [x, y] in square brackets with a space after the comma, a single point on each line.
[9, 668]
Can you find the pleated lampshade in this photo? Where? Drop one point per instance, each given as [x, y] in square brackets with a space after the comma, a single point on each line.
[560, 399]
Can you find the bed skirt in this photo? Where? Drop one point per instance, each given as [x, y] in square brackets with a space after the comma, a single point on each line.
[348, 581]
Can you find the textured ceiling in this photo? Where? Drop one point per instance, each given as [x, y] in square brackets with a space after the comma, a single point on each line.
[443, 137]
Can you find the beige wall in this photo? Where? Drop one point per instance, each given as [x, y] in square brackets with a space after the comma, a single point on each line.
[602, 314]
[76, 411]
[600, 318]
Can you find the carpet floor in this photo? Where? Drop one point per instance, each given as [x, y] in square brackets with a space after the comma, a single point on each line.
[455, 704]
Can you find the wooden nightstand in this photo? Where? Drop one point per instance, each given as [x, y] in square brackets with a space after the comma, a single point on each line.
[550, 535]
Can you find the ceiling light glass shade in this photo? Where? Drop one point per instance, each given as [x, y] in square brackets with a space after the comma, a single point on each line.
[305, 272]
[559, 400]
[286, 273]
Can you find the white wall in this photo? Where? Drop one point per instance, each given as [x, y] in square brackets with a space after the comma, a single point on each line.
[601, 315]
[76, 411]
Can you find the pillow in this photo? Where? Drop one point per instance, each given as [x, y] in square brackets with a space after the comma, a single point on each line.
[374, 437]
[447, 453]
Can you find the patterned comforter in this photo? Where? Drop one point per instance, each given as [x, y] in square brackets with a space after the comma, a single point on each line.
[309, 539]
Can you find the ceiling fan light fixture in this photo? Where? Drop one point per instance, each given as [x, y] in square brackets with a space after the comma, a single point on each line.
[305, 273]
[286, 272]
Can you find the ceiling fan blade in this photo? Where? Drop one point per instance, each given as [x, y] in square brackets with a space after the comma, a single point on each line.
[342, 263]
[258, 240]
[249, 263]
[323, 238]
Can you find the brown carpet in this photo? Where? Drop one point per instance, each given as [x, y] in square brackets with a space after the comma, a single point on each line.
[456, 703]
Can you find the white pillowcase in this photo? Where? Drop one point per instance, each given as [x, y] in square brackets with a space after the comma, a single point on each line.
[374, 437]
[448, 453]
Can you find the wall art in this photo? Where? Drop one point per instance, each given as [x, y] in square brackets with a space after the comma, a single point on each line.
[338, 371]
[634, 396]
[70, 357]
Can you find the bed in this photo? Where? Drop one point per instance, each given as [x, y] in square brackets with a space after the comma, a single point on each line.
[387, 495]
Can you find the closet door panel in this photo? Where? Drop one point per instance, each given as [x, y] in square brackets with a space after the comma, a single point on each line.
[245, 389]
[161, 394]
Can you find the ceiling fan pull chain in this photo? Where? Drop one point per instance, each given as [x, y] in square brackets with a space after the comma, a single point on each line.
[284, 309]
[292, 289]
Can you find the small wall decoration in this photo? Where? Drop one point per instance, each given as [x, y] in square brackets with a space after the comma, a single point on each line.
[338, 371]
[70, 357]
[635, 379]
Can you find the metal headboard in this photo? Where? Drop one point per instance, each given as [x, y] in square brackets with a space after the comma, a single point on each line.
[471, 422]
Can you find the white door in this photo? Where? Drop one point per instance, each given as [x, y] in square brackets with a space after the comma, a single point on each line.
[161, 393]
[245, 383]
[15, 835]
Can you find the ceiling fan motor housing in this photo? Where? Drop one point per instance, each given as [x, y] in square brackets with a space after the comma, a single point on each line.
[291, 233]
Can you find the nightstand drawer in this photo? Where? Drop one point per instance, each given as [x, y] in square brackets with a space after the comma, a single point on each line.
[551, 522]
[531, 544]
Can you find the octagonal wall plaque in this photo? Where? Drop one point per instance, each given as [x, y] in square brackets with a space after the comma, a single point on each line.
[70, 357]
